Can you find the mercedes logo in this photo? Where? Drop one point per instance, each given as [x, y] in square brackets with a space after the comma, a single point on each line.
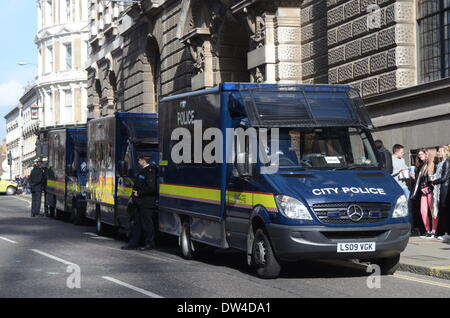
[355, 213]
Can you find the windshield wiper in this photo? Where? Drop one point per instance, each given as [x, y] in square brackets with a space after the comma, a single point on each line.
[295, 168]
[349, 167]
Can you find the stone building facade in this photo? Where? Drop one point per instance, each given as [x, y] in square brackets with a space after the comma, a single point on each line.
[31, 124]
[157, 48]
[62, 54]
[14, 141]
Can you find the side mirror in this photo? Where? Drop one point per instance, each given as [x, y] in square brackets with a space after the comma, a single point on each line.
[123, 168]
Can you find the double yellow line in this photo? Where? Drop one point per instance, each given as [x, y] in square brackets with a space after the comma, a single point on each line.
[424, 281]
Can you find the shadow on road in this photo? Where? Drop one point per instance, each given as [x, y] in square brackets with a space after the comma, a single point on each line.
[44, 230]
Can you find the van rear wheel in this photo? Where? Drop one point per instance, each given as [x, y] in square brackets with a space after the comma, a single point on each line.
[100, 226]
[186, 242]
[263, 257]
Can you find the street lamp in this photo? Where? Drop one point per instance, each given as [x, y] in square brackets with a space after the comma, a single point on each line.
[25, 63]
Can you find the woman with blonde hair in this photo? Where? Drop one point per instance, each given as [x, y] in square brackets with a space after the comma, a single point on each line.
[425, 168]
[441, 183]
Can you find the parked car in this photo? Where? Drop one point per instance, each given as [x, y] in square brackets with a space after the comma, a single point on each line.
[8, 187]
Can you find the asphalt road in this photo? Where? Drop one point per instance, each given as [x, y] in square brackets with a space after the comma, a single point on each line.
[40, 257]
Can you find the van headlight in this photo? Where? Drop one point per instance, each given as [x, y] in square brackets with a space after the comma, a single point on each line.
[401, 208]
[292, 208]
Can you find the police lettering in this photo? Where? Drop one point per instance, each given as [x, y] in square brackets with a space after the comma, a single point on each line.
[349, 190]
[185, 118]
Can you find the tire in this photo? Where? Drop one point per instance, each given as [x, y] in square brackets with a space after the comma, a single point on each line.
[76, 217]
[186, 242]
[263, 257]
[388, 266]
[100, 226]
[11, 190]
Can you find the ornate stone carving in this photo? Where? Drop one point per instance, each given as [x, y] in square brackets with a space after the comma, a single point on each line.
[257, 75]
[256, 25]
[198, 55]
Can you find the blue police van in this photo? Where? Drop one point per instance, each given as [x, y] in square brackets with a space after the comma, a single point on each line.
[67, 172]
[314, 188]
[114, 143]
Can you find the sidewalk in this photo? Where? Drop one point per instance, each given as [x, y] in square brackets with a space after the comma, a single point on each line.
[429, 257]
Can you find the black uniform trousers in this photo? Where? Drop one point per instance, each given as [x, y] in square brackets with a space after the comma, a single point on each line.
[36, 198]
[142, 227]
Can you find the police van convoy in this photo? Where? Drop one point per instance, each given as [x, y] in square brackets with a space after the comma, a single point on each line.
[66, 174]
[313, 189]
[113, 145]
[326, 197]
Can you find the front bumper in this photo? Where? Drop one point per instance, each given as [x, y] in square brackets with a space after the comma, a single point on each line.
[294, 243]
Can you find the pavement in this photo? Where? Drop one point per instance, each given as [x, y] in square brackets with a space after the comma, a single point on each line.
[429, 257]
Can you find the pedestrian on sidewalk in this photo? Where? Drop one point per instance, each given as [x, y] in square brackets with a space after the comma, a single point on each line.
[144, 203]
[385, 156]
[26, 185]
[441, 184]
[37, 186]
[400, 172]
[425, 168]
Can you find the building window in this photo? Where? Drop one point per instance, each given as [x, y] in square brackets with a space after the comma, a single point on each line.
[68, 55]
[49, 59]
[68, 11]
[48, 12]
[434, 39]
[68, 104]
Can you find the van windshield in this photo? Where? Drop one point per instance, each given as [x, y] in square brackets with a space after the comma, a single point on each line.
[334, 148]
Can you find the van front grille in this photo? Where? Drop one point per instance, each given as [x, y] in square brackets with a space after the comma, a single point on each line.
[336, 213]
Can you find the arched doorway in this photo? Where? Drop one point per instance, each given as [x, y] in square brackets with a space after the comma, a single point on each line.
[231, 48]
[152, 78]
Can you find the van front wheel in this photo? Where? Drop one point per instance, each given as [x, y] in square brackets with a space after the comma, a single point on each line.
[263, 257]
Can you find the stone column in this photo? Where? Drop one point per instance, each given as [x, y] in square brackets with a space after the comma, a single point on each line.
[276, 56]
[288, 46]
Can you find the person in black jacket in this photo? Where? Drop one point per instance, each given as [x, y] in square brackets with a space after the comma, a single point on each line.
[385, 156]
[443, 182]
[144, 203]
[36, 180]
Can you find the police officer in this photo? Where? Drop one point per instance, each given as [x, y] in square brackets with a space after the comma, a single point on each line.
[37, 180]
[144, 203]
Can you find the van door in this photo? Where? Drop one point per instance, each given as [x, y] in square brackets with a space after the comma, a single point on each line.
[239, 198]
[124, 187]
